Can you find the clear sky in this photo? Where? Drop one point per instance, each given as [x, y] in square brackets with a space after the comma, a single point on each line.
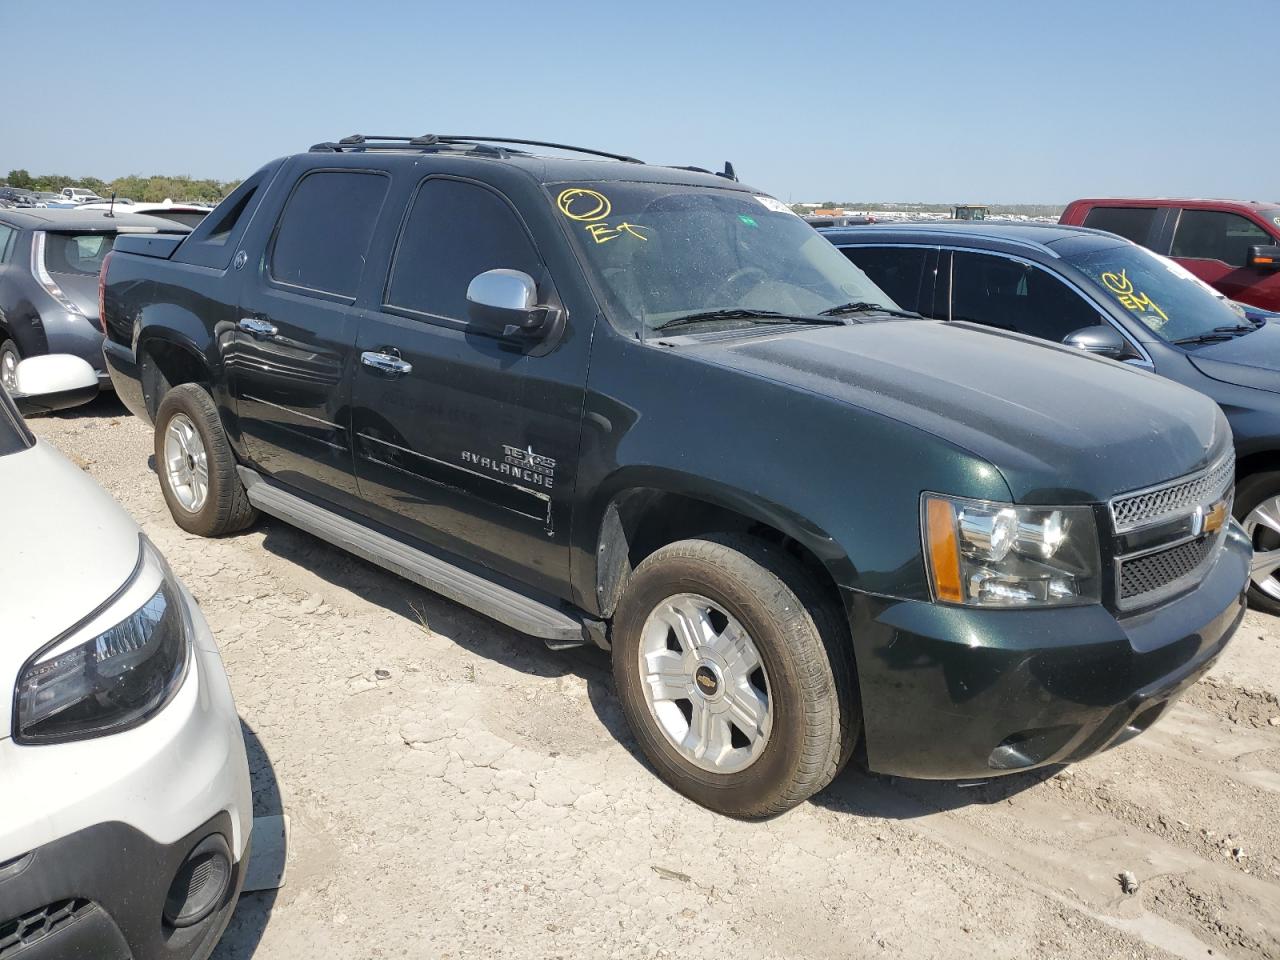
[973, 100]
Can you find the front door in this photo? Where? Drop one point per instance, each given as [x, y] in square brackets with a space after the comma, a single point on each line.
[467, 441]
[1214, 245]
[290, 354]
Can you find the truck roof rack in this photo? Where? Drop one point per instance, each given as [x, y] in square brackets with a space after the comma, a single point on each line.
[359, 142]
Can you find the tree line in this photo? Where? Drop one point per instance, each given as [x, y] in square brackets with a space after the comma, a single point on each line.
[134, 187]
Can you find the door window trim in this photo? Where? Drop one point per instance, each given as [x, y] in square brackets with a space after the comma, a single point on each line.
[1145, 363]
[312, 292]
[545, 285]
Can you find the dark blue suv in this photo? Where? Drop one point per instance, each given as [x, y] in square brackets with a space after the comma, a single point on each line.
[1102, 293]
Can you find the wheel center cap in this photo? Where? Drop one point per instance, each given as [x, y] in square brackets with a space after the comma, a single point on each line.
[707, 681]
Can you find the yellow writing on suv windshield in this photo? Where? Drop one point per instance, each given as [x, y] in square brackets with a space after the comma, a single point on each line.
[579, 203]
[590, 207]
[1131, 299]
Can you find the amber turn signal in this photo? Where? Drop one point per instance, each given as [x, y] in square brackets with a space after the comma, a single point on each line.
[944, 550]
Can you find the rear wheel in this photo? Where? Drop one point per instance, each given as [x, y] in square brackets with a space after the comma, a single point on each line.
[196, 466]
[735, 675]
[9, 358]
[1258, 509]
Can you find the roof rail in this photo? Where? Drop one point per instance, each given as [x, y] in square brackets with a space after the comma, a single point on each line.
[359, 141]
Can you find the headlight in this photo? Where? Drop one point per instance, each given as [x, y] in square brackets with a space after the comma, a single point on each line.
[986, 554]
[115, 669]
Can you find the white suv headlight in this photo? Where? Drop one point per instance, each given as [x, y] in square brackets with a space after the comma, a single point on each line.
[985, 554]
[115, 669]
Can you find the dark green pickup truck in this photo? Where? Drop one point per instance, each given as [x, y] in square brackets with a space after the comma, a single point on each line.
[649, 408]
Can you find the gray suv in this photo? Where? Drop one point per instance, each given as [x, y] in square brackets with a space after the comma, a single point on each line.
[49, 263]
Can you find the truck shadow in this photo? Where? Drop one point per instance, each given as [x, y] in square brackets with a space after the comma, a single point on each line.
[477, 634]
[253, 912]
[862, 793]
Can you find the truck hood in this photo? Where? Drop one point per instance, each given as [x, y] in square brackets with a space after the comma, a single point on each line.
[1061, 426]
[68, 548]
[1249, 361]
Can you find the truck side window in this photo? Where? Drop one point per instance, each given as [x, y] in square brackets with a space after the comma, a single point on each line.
[322, 239]
[6, 238]
[899, 272]
[1011, 295]
[1216, 235]
[1132, 223]
[455, 231]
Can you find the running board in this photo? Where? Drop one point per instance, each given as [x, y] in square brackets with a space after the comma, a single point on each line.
[559, 629]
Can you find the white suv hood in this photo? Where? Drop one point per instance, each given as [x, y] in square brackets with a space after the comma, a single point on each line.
[65, 548]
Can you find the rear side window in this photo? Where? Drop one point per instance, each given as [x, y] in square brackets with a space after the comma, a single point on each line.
[1215, 235]
[455, 231]
[1132, 223]
[323, 235]
[898, 271]
[76, 253]
[7, 234]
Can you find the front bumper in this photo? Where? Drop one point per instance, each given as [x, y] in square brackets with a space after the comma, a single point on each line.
[956, 692]
[105, 823]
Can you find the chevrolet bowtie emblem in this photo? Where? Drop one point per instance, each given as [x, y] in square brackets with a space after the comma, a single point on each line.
[1209, 519]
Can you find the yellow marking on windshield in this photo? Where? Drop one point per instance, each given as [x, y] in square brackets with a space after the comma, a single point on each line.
[603, 233]
[579, 203]
[1131, 299]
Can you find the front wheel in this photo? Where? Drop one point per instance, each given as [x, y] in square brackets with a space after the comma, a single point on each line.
[735, 675]
[1258, 510]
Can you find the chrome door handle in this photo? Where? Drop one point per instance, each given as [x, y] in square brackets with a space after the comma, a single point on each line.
[256, 327]
[386, 363]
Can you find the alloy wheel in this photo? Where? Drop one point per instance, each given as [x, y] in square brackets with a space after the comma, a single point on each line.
[705, 684]
[1263, 528]
[186, 463]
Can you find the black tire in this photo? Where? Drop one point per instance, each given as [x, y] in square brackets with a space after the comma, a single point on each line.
[8, 351]
[1251, 491]
[804, 647]
[226, 507]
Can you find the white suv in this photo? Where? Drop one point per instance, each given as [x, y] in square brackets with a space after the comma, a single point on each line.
[125, 806]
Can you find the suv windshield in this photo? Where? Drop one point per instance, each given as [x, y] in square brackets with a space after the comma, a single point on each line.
[1170, 301]
[665, 251]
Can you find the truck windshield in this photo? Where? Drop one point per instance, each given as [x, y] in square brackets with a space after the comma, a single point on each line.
[1170, 301]
[665, 251]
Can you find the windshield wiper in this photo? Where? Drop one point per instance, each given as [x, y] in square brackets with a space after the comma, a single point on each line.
[1216, 334]
[862, 306]
[753, 316]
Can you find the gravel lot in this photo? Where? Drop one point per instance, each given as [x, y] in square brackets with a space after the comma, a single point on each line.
[456, 790]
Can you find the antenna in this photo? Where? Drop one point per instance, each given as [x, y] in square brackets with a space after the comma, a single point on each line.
[111, 210]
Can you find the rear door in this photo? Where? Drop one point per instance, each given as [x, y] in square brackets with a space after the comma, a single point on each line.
[289, 355]
[1214, 245]
[463, 440]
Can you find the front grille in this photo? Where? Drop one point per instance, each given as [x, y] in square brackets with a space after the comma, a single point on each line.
[1162, 503]
[30, 928]
[1154, 572]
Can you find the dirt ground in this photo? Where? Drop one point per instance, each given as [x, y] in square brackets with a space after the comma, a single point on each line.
[456, 790]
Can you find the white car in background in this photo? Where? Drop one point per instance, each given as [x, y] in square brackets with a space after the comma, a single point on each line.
[78, 195]
[125, 805]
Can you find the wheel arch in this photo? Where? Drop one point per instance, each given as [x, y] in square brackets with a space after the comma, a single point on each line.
[166, 359]
[646, 510]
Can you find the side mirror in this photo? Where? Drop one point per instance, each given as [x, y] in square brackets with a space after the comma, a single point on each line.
[54, 382]
[505, 303]
[1264, 258]
[1102, 339]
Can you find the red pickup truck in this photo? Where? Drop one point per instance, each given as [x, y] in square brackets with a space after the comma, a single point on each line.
[1233, 245]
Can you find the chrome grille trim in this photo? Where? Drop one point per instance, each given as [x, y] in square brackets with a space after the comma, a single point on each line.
[1166, 501]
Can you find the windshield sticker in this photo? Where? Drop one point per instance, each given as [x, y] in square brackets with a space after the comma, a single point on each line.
[1135, 300]
[590, 207]
[749, 221]
[777, 206]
